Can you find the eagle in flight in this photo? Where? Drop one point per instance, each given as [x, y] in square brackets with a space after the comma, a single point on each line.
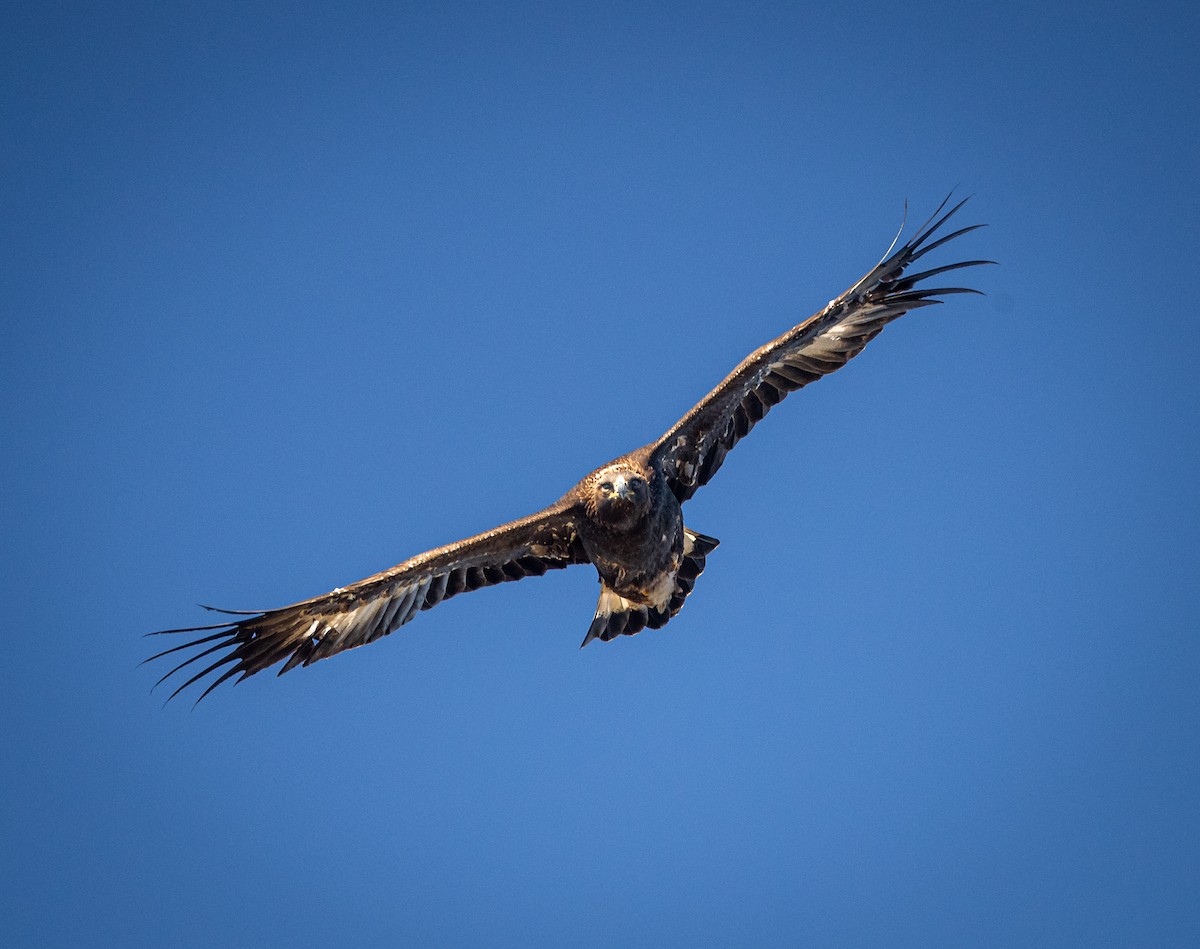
[625, 518]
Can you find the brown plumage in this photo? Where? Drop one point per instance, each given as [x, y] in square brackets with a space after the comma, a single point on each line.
[625, 518]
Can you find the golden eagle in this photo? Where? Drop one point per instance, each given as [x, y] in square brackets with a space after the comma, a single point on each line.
[624, 518]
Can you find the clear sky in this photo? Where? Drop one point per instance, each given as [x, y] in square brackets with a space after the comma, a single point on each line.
[290, 293]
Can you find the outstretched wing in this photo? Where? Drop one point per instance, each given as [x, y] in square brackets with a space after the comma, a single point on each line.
[361, 613]
[692, 451]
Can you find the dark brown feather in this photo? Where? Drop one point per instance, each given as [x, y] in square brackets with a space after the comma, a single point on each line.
[694, 448]
[636, 617]
[315, 629]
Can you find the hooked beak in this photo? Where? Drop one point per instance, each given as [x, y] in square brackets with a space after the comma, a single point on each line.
[621, 488]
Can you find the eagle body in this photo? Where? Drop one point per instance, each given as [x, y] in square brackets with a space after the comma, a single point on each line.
[637, 548]
[625, 518]
[635, 541]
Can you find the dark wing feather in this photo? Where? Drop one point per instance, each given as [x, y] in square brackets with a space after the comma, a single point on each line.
[318, 628]
[692, 451]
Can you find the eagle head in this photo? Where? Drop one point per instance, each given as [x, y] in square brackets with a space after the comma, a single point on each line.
[620, 495]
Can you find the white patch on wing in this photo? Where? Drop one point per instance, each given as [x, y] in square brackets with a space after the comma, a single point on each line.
[827, 342]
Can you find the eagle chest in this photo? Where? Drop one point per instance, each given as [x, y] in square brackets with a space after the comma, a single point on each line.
[640, 562]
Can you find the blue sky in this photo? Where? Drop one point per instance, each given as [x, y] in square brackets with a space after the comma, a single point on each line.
[292, 293]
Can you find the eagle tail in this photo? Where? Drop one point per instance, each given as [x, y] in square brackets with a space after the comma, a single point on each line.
[617, 616]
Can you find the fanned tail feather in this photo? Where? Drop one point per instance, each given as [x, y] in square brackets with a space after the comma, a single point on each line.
[617, 616]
